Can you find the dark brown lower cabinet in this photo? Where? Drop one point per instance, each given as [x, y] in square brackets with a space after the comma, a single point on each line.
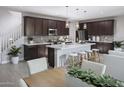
[103, 47]
[33, 52]
[51, 57]
[42, 51]
[30, 52]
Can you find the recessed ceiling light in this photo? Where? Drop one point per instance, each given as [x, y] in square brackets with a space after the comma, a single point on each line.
[85, 11]
[77, 9]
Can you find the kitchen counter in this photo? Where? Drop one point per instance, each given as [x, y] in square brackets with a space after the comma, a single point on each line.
[33, 44]
[100, 41]
[58, 54]
[35, 50]
[66, 46]
[103, 46]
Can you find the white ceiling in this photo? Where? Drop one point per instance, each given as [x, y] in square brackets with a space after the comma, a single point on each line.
[84, 12]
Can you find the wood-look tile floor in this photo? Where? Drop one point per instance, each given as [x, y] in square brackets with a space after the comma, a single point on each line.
[11, 73]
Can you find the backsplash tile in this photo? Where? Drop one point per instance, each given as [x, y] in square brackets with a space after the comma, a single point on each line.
[44, 38]
[106, 38]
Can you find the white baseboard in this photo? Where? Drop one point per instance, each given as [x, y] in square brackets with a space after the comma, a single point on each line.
[20, 59]
[8, 61]
[5, 62]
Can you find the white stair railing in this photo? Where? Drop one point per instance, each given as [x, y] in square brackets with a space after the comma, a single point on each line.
[7, 39]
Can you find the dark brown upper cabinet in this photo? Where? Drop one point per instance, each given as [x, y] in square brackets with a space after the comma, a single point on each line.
[29, 26]
[38, 27]
[100, 27]
[81, 26]
[95, 29]
[52, 24]
[89, 28]
[106, 27]
[61, 30]
[109, 27]
[45, 27]
[60, 27]
[66, 31]
[33, 26]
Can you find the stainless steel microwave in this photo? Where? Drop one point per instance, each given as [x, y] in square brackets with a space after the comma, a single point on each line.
[52, 32]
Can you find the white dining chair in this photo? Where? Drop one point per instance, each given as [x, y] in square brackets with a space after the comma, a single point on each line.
[37, 65]
[115, 66]
[22, 83]
[98, 68]
[116, 53]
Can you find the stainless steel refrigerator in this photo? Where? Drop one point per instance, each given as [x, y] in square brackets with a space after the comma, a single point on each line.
[81, 35]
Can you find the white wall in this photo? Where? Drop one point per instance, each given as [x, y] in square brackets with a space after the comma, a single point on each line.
[119, 28]
[10, 21]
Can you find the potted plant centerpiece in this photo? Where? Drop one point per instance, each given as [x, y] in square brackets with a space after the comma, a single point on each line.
[30, 40]
[118, 45]
[14, 51]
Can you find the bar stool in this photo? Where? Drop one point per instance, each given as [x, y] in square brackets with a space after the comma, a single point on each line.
[96, 55]
[73, 59]
[89, 55]
[82, 56]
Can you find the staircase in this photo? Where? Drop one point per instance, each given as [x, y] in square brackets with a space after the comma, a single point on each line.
[7, 40]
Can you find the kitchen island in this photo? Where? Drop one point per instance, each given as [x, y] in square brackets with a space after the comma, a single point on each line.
[58, 54]
[35, 50]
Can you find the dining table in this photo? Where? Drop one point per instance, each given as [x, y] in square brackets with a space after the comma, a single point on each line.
[56, 77]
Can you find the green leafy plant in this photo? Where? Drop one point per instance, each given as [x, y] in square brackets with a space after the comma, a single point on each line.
[14, 51]
[90, 77]
[30, 38]
[107, 81]
[118, 44]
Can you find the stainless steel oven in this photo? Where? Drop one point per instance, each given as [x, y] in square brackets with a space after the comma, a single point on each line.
[52, 32]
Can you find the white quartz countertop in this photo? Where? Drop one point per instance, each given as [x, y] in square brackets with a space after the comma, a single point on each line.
[33, 44]
[102, 41]
[66, 46]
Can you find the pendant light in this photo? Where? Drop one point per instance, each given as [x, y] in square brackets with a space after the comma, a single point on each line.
[67, 22]
[85, 26]
[77, 25]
